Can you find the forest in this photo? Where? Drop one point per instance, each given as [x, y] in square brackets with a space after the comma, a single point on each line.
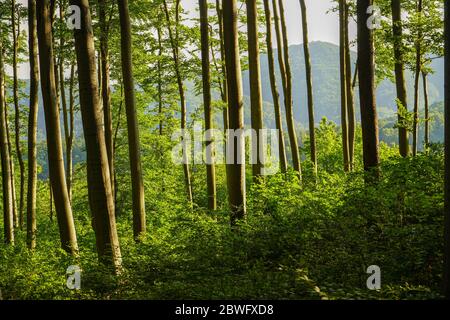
[191, 149]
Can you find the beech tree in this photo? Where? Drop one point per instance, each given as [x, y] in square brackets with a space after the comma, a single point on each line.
[235, 166]
[366, 74]
[139, 221]
[32, 125]
[52, 125]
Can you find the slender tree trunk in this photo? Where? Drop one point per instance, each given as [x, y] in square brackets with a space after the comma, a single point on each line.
[309, 87]
[160, 93]
[69, 138]
[343, 73]
[16, 26]
[139, 222]
[8, 218]
[351, 117]
[427, 109]
[173, 43]
[106, 88]
[224, 71]
[283, 46]
[366, 67]
[274, 88]
[206, 77]
[101, 200]
[397, 31]
[54, 144]
[256, 106]
[235, 149]
[32, 125]
[418, 69]
[11, 165]
[446, 276]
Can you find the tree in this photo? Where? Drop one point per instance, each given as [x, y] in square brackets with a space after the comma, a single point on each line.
[309, 87]
[32, 125]
[139, 222]
[343, 74]
[224, 91]
[8, 219]
[286, 76]
[16, 32]
[255, 85]
[235, 151]
[418, 69]
[351, 117]
[105, 85]
[101, 200]
[206, 77]
[397, 31]
[176, 61]
[52, 125]
[274, 88]
[366, 73]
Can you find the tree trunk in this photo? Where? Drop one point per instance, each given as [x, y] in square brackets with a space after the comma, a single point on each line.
[8, 218]
[15, 25]
[139, 222]
[235, 149]
[309, 87]
[418, 69]
[427, 110]
[54, 144]
[206, 77]
[343, 73]
[351, 117]
[160, 92]
[106, 88]
[256, 105]
[101, 200]
[397, 31]
[283, 46]
[173, 43]
[274, 88]
[366, 72]
[32, 125]
[224, 72]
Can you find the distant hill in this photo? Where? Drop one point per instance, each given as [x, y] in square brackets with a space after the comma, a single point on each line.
[325, 67]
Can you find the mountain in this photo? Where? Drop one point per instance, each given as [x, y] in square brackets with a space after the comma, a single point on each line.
[325, 68]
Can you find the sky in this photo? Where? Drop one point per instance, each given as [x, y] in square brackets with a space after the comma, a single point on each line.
[323, 25]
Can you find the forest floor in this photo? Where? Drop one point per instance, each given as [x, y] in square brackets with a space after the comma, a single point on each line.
[310, 242]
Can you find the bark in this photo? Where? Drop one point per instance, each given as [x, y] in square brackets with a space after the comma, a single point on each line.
[397, 31]
[224, 71]
[235, 169]
[106, 88]
[418, 69]
[173, 43]
[16, 25]
[427, 110]
[139, 221]
[160, 93]
[8, 218]
[343, 74]
[101, 200]
[255, 88]
[206, 77]
[32, 125]
[309, 87]
[274, 88]
[351, 116]
[52, 123]
[366, 72]
[283, 46]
